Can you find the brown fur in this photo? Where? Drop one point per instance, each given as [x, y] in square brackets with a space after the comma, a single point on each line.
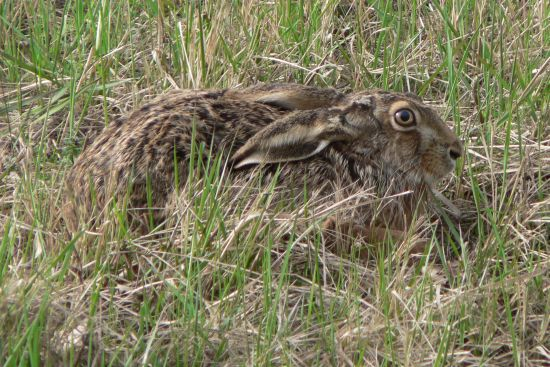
[333, 142]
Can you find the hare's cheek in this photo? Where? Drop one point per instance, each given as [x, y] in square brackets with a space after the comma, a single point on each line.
[436, 164]
[406, 147]
[427, 165]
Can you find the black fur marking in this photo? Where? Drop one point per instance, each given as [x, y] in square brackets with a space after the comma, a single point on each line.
[118, 121]
[342, 119]
[203, 113]
[214, 94]
[352, 169]
[131, 142]
[280, 106]
[168, 107]
[228, 116]
[216, 106]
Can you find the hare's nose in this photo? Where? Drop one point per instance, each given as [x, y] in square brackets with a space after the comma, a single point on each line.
[455, 151]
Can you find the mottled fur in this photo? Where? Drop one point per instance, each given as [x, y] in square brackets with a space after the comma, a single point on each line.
[334, 143]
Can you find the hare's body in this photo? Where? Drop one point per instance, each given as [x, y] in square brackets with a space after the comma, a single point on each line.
[335, 144]
[154, 142]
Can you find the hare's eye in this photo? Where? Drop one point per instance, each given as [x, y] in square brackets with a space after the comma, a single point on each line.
[405, 117]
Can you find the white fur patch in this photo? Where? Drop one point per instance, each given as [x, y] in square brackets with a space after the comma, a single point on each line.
[364, 100]
[253, 159]
[322, 145]
[335, 119]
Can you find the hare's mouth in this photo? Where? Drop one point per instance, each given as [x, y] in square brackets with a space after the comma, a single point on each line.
[433, 176]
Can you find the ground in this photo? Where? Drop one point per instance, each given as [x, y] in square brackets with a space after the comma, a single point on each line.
[230, 286]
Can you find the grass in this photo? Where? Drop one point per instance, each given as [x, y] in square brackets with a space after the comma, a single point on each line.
[231, 283]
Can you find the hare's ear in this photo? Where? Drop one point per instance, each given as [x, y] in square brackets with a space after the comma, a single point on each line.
[290, 100]
[289, 96]
[295, 137]
[299, 97]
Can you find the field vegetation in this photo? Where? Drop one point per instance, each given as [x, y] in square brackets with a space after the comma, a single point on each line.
[236, 284]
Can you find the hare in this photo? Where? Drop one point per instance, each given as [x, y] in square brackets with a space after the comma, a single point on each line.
[387, 141]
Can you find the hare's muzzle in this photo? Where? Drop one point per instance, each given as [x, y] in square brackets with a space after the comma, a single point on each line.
[455, 150]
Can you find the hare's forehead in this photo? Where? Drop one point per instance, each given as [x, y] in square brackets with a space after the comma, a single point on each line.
[385, 104]
[384, 100]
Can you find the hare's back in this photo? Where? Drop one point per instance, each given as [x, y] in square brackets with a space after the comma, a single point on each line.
[150, 136]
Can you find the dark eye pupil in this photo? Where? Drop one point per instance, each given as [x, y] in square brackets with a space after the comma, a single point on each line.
[404, 116]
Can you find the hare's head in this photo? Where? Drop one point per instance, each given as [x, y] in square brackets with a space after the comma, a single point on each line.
[395, 130]
[410, 136]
